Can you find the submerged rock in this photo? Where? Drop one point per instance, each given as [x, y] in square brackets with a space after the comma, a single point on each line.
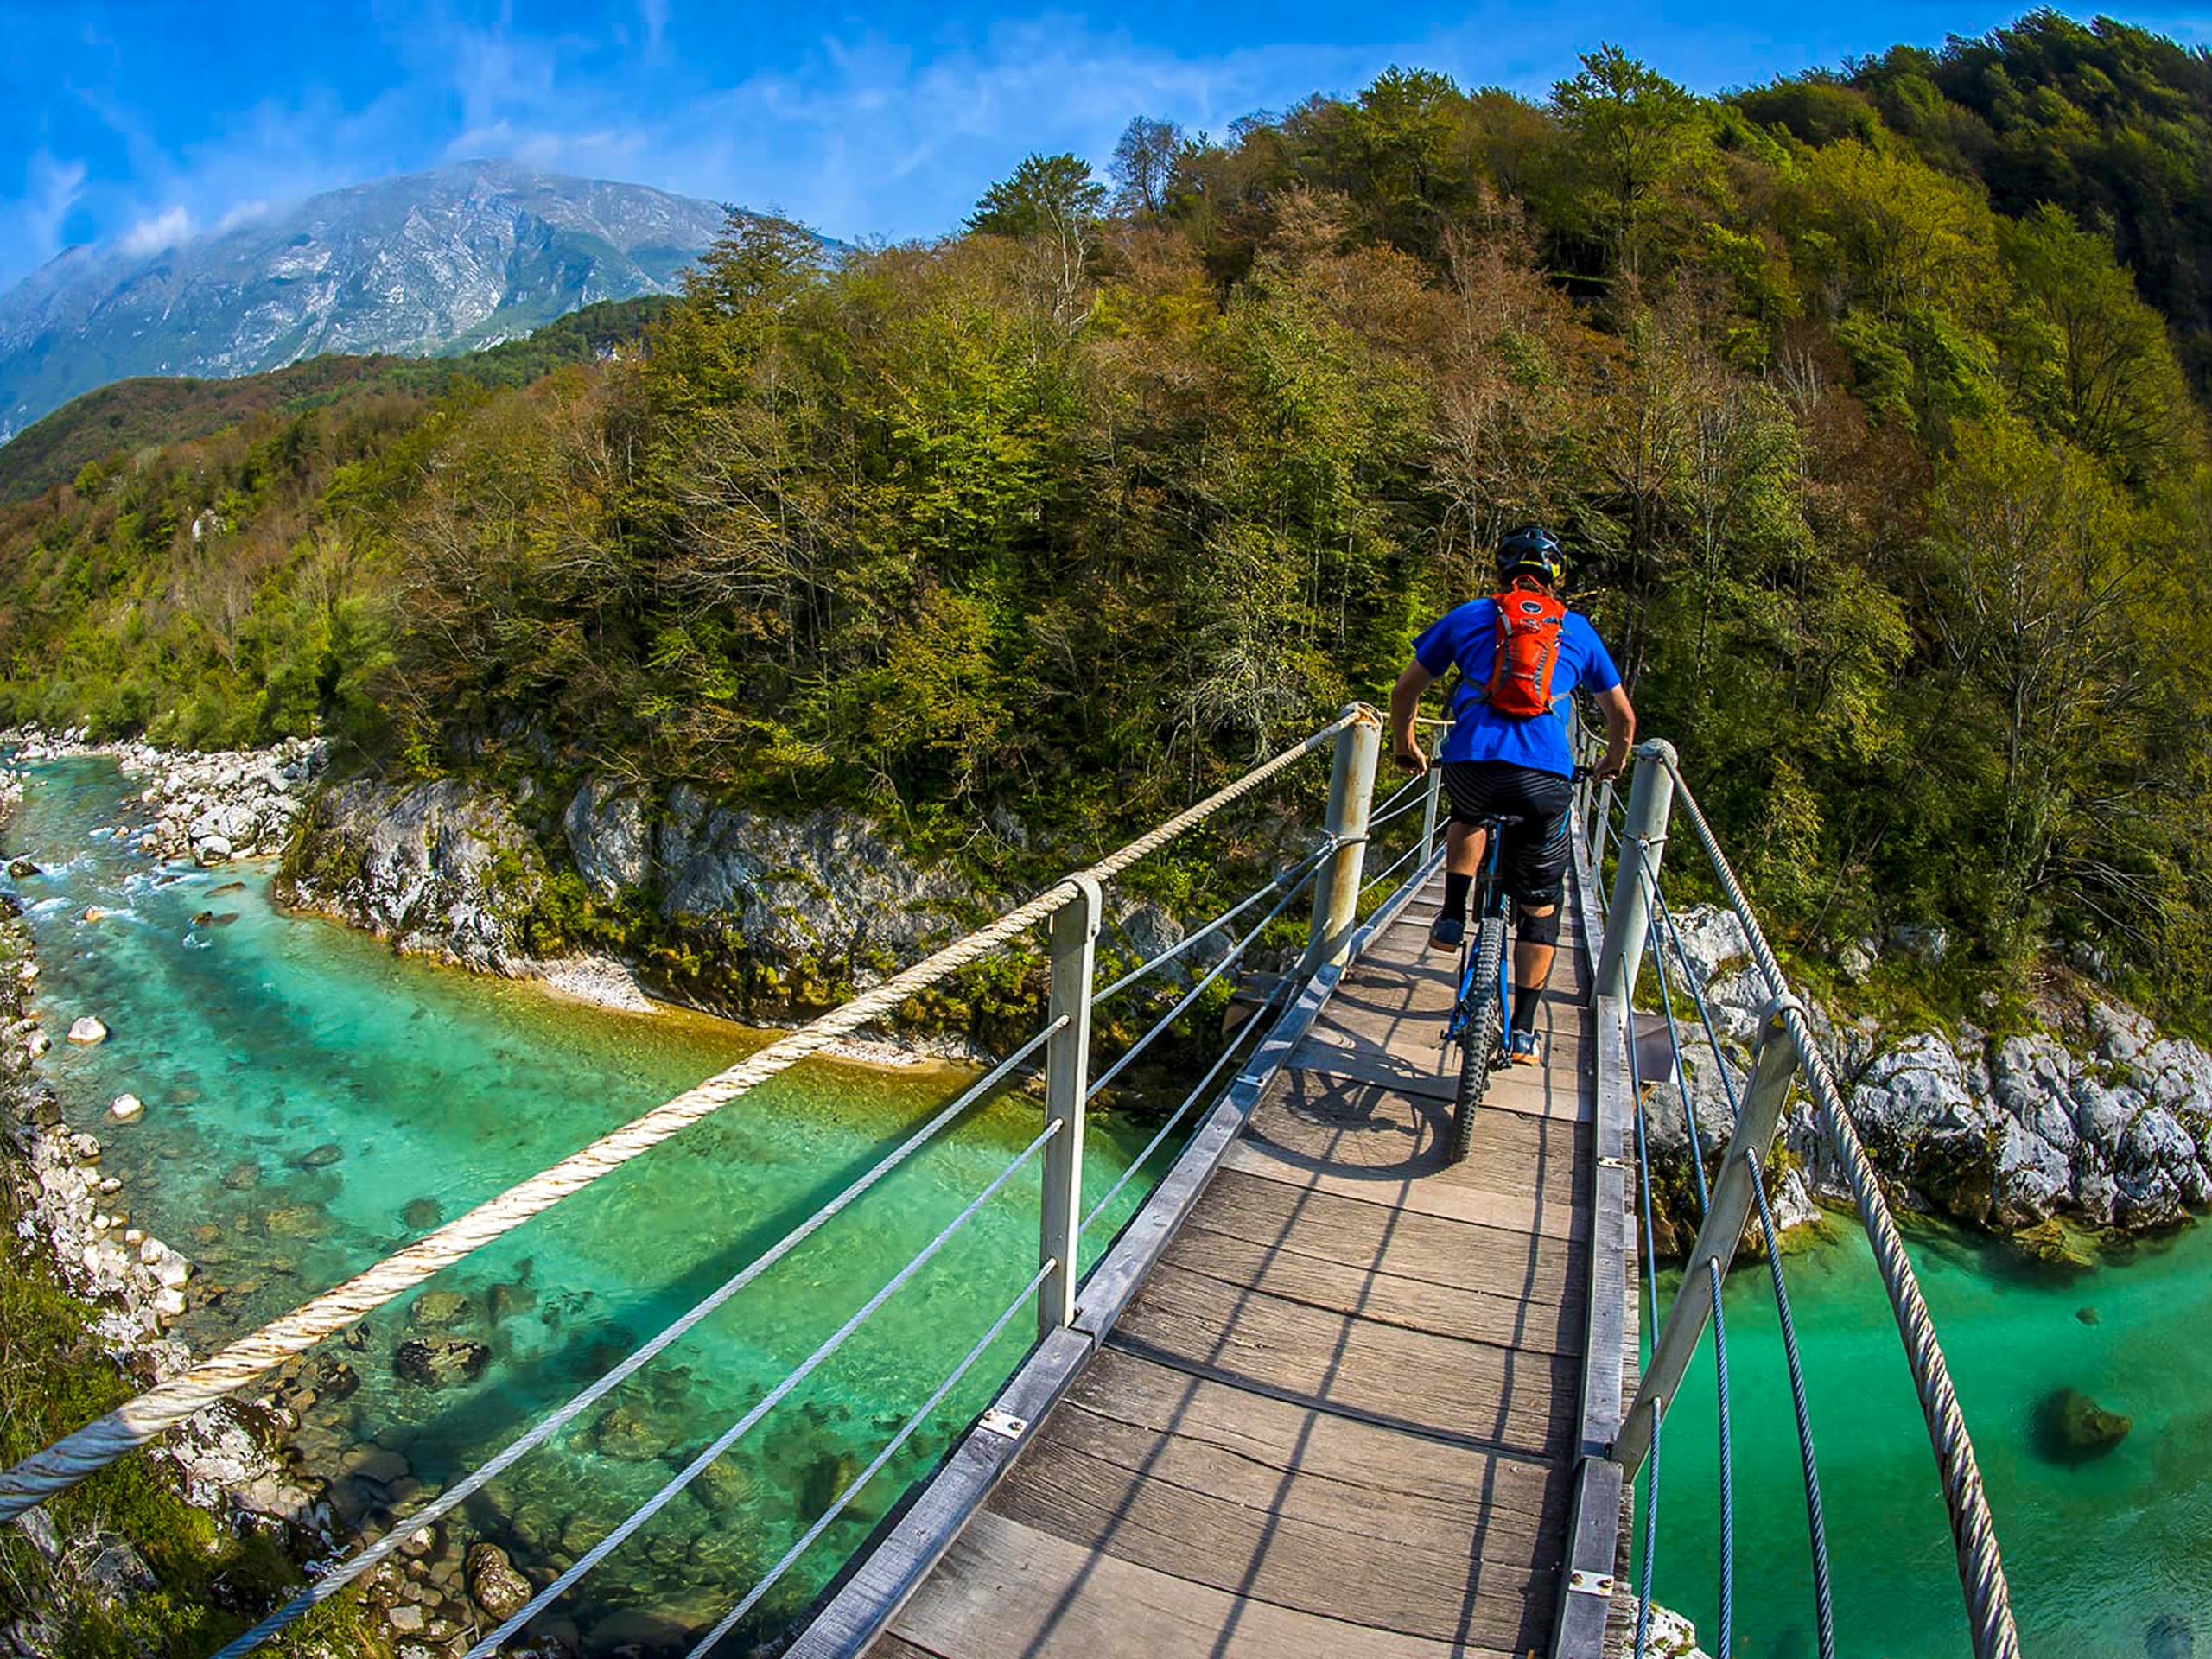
[422, 1214]
[21, 867]
[2170, 1637]
[127, 1109]
[2089, 1315]
[439, 1365]
[2072, 1429]
[321, 1157]
[493, 1584]
[437, 1310]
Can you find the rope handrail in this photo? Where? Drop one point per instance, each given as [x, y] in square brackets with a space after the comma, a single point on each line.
[1981, 1568]
[146, 1416]
[407, 1526]
[599, 1551]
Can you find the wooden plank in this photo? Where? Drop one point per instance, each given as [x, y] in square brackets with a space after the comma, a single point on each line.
[1112, 1462]
[1478, 1392]
[1520, 1212]
[895, 1566]
[1496, 1313]
[1434, 1586]
[1339, 1127]
[1593, 1535]
[1008, 1591]
[893, 1647]
[1277, 1434]
[1451, 1254]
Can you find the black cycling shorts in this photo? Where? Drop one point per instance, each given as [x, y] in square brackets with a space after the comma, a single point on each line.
[1534, 858]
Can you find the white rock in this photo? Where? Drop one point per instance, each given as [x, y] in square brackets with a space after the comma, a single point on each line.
[214, 849]
[36, 1044]
[169, 1304]
[127, 1108]
[171, 1273]
[132, 1235]
[87, 1032]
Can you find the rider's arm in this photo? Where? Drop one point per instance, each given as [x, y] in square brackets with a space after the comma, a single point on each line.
[1620, 730]
[1405, 699]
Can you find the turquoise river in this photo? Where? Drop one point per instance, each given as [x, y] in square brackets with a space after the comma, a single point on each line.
[304, 1088]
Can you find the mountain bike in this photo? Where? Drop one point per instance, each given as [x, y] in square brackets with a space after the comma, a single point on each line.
[1482, 1012]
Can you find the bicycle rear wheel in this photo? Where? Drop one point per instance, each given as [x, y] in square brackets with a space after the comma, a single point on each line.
[1479, 1034]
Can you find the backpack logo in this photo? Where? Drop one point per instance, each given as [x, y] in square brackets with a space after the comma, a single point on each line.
[1526, 651]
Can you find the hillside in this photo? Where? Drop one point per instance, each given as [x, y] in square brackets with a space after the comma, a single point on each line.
[448, 261]
[1893, 505]
[121, 419]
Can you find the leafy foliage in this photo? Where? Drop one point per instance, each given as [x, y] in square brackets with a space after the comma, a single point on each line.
[1879, 470]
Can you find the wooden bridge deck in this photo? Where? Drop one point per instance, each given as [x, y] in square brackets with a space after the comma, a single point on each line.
[1343, 1412]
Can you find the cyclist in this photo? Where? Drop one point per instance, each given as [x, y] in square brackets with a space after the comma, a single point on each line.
[1508, 752]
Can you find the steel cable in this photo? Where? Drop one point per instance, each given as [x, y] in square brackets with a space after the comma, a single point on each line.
[1727, 1451]
[1272, 885]
[1235, 954]
[837, 1506]
[1973, 1535]
[767, 1402]
[1809, 1460]
[331, 1583]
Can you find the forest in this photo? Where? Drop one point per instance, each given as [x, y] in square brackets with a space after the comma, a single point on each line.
[1870, 404]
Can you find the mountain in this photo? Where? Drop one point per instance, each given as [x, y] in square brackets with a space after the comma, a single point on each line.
[428, 263]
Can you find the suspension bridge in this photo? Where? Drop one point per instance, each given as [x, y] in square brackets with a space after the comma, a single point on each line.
[1322, 1392]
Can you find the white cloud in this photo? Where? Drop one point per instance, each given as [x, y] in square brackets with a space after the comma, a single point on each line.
[52, 187]
[164, 230]
[245, 213]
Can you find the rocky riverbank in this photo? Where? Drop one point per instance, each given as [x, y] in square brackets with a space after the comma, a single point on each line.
[2092, 1119]
[758, 918]
[267, 1465]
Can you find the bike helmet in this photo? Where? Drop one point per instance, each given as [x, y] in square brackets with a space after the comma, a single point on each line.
[1531, 550]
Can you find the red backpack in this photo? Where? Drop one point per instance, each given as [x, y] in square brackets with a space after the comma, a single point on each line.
[1528, 624]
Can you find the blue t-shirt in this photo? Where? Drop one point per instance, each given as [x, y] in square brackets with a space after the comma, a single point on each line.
[1467, 638]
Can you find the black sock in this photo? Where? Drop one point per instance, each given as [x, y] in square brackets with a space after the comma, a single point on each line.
[1525, 998]
[1455, 895]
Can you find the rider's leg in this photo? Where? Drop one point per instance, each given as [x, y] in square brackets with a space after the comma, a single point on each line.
[1463, 857]
[1535, 946]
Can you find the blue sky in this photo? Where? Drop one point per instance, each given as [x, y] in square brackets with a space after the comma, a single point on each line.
[140, 124]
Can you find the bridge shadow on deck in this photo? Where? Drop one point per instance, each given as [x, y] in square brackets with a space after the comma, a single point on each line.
[1340, 1414]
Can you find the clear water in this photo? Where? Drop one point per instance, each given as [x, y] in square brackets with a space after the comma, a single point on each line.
[2109, 1559]
[304, 1087]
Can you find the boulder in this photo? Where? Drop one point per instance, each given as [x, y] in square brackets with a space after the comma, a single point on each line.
[440, 1364]
[19, 869]
[127, 1109]
[213, 850]
[2070, 1427]
[321, 1157]
[87, 1032]
[420, 1215]
[493, 1584]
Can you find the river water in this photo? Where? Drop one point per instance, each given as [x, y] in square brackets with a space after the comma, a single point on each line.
[313, 1101]
[2108, 1559]
[304, 1088]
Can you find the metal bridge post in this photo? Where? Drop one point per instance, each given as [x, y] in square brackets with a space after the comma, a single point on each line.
[1431, 803]
[1067, 1080]
[1351, 791]
[1773, 1069]
[1651, 802]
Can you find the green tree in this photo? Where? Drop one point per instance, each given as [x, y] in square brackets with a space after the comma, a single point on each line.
[1047, 196]
[1144, 166]
[1635, 133]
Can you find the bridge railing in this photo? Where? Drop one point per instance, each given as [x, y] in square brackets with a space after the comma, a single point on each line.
[1786, 1054]
[1327, 872]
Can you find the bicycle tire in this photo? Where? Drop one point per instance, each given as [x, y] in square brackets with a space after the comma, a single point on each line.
[1479, 1036]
